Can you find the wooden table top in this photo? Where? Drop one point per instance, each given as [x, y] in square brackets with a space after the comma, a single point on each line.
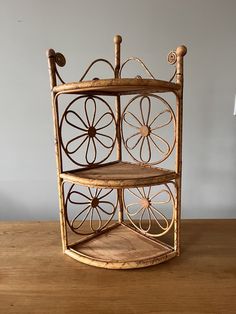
[35, 277]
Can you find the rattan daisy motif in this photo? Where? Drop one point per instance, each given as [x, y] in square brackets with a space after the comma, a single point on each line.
[89, 128]
[141, 130]
[151, 209]
[96, 206]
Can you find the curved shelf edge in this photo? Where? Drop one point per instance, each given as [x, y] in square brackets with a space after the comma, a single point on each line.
[119, 175]
[118, 86]
[120, 265]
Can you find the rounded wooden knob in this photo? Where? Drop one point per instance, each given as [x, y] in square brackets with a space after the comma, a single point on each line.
[91, 131]
[50, 53]
[94, 202]
[145, 202]
[117, 39]
[144, 130]
[181, 51]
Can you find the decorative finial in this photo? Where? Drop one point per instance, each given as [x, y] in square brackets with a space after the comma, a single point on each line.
[50, 53]
[181, 51]
[117, 39]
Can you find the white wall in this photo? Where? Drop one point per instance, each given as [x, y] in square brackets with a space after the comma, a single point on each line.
[83, 31]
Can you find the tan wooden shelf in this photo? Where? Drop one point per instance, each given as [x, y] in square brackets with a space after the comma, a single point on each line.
[119, 175]
[121, 247]
[148, 129]
[117, 86]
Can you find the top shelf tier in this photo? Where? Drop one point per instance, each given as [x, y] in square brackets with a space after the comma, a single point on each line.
[117, 86]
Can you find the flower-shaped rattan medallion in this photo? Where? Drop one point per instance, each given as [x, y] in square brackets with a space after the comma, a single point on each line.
[148, 129]
[151, 209]
[87, 134]
[97, 206]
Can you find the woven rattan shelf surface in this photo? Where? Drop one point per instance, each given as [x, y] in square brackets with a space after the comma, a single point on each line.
[119, 175]
[120, 248]
[118, 86]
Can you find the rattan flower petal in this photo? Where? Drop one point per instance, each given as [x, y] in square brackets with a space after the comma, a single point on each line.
[151, 209]
[85, 134]
[95, 207]
[142, 135]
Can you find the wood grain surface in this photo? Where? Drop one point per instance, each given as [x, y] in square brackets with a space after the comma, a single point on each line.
[35, 277]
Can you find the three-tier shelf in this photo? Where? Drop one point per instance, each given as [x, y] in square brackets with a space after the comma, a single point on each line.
[119, 207]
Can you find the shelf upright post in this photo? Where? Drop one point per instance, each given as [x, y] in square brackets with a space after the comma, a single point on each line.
[180, 53]
[117, 42]
[53, 82]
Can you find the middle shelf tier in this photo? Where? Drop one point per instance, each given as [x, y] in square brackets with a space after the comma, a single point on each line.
[119, 175]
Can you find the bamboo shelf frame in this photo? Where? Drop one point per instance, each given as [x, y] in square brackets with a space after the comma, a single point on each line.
[101, 186]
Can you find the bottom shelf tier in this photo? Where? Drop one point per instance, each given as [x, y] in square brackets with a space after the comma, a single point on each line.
[121, 247]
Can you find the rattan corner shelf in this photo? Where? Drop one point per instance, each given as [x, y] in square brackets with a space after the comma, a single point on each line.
[119, 208]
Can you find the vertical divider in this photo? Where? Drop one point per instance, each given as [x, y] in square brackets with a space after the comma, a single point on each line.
[117, 41]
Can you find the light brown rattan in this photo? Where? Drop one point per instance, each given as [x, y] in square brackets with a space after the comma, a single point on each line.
[107, 246]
